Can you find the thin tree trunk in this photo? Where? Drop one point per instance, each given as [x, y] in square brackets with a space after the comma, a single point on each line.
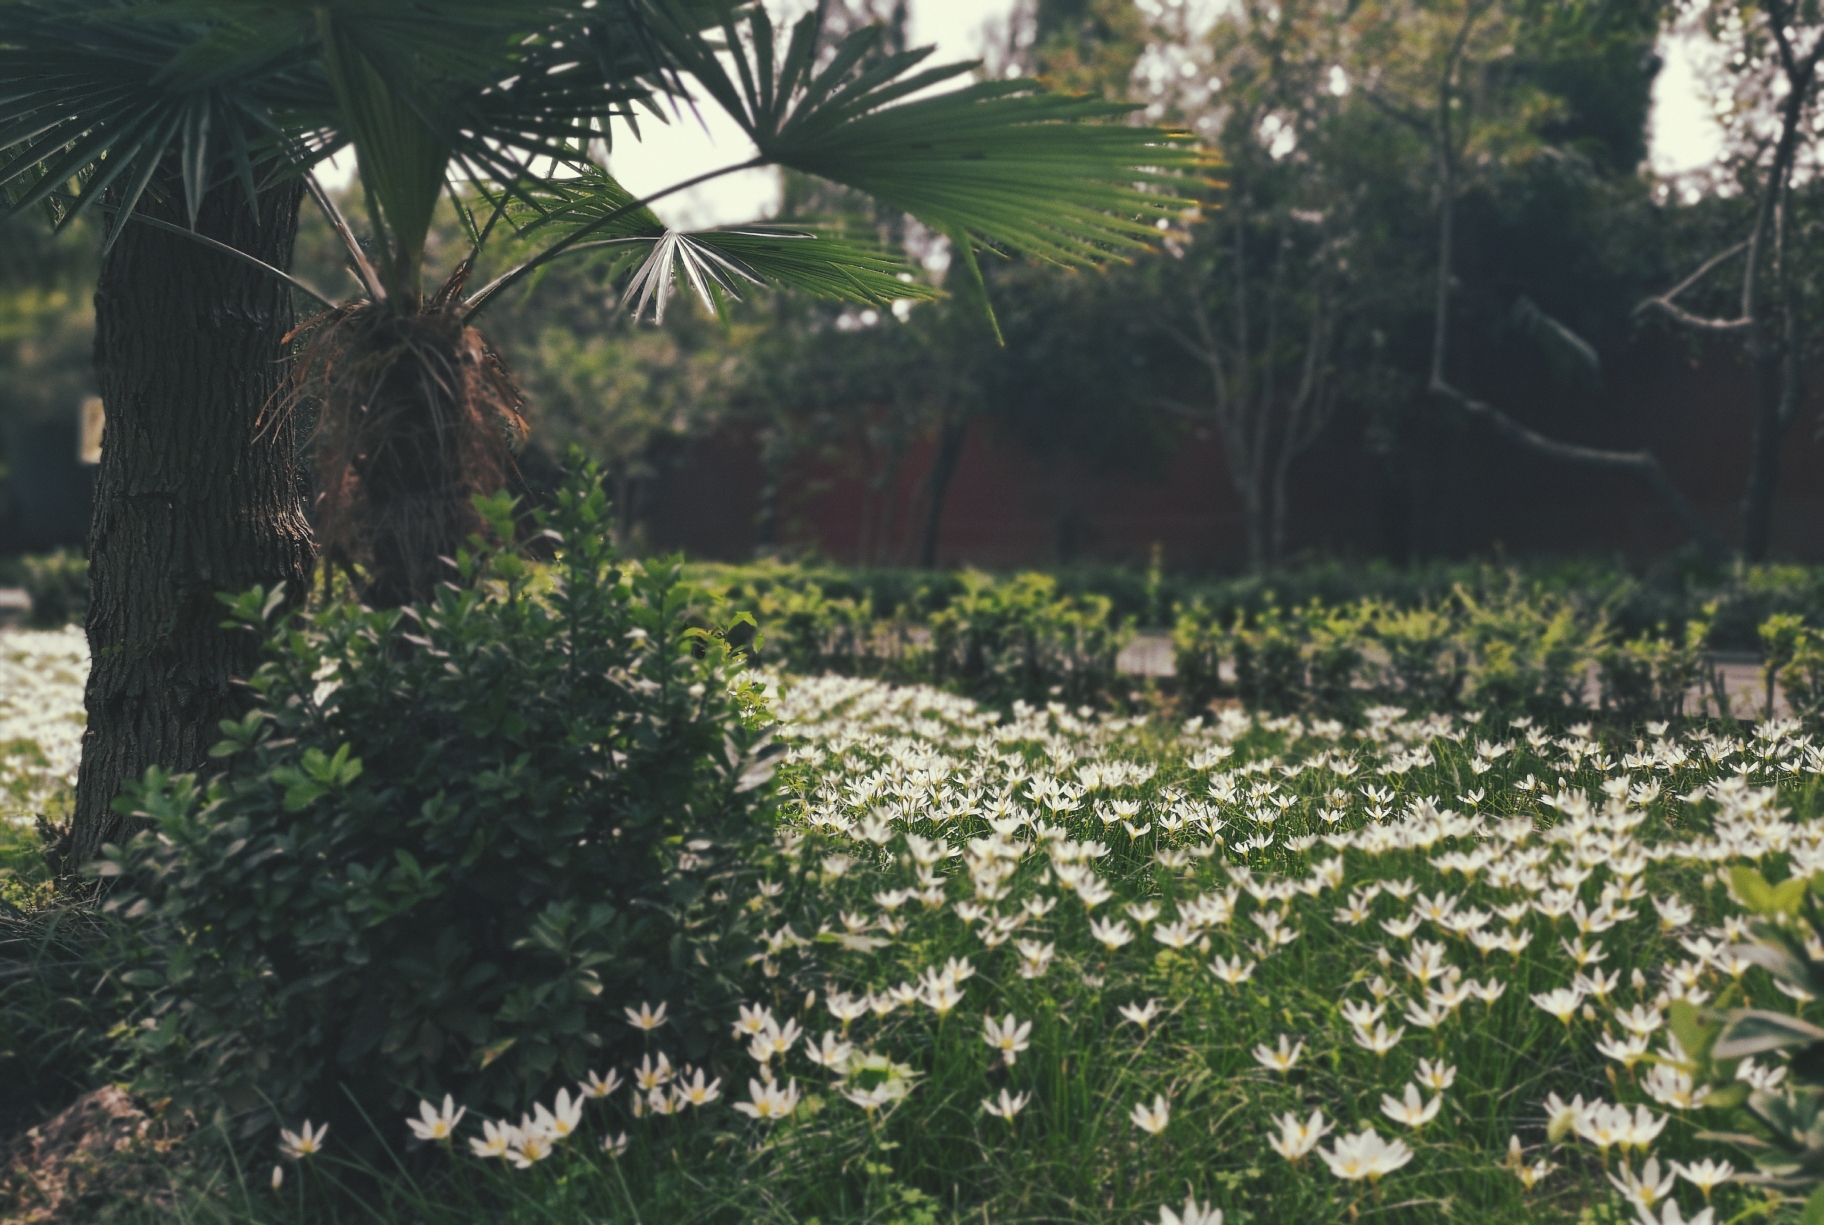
[192, 497]
[950, 441]
[1764, 470]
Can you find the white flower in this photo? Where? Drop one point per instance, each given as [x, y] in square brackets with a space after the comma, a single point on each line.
[1178, 935]
[597, 1086]
[1673, 1087]
[646, 1019]
[1008, 1036]
[278, 1177]
[1414, 1111]
[774, 1040]
[832, 1052]
[1439, 1075]
[1669, 1214]
[1193, 1214]
[1282, 1060]
[769, 1101]
[1233, 972]
[1562, 1002]
[568, 1114]
[1380, 1041]
[436, 1125]
[1562, 1117]
[940, 994]
[1140, 1014]
[303, 1142]
[1647, 1188]
[649, 1076]
[496, 1139]
[615, 1145]
[1152, 1119]
[1528, 1174]
[1008, 1105]
[755, 1019]
[696, 1093]
[529, 1147]
[1364, 1155]
[1704, 1174]
[1295, 1139]
[1112, 932]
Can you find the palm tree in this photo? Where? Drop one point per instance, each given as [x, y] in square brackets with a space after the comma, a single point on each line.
[169, 104]
[187, 127]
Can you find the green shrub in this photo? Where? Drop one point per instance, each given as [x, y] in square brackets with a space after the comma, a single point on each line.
[1019, 640]
[1532, 651]
[58, 584]
[1801, 677]
[450, 844]
[1199, 645]
[1650, 676]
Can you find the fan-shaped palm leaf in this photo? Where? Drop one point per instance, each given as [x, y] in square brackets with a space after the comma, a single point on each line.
[1000, 163]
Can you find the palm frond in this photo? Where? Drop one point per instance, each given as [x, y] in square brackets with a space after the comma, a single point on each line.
[90, 104]
[823, 261]
[98, 92]
[1004, 163]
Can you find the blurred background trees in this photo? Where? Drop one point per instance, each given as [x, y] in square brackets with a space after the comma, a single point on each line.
[1305, 309]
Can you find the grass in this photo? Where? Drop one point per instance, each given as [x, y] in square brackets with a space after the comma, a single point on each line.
[918, 820]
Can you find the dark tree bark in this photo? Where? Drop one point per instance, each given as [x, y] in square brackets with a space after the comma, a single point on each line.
[193, 496]
[950, 439]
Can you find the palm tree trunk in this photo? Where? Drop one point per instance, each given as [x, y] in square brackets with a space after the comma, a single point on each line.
[192, 497]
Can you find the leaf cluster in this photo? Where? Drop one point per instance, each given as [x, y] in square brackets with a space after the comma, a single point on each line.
[448, 845]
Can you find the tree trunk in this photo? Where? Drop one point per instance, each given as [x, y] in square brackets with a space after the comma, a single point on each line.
[192, 497]
[1764, 469]
[950, 441]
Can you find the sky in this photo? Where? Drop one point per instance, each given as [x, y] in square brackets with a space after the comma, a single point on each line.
[1684, 136]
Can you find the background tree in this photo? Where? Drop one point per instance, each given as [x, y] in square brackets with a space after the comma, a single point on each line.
[1261, 297]
[1490, 91]
[1772, 52]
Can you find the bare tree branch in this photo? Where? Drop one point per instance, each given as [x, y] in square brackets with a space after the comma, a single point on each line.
[1665, 304]
[1642, 464]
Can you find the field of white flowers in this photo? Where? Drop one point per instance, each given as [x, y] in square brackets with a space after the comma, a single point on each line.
[41, 677]
[1061, 965]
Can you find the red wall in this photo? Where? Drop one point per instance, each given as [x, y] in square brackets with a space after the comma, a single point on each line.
[1477, 492]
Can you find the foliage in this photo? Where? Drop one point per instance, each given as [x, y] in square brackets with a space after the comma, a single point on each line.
[1798, 668]
[448, 845]
[54, 1040]
[1281, 877]
[1514, 652]
[1650, 676]
[1765, 1064]
[998, 640]
[58, 584]
[1020, 640]
[1334, 871]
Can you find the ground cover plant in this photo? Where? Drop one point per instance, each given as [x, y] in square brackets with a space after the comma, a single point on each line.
[1049, 963]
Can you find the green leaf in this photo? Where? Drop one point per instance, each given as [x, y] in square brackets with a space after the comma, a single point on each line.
[1695, 1030]
[1003, 162]
[1751, 1031]
[1814, 1209]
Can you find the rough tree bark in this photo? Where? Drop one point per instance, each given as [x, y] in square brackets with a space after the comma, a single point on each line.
[193, 497]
